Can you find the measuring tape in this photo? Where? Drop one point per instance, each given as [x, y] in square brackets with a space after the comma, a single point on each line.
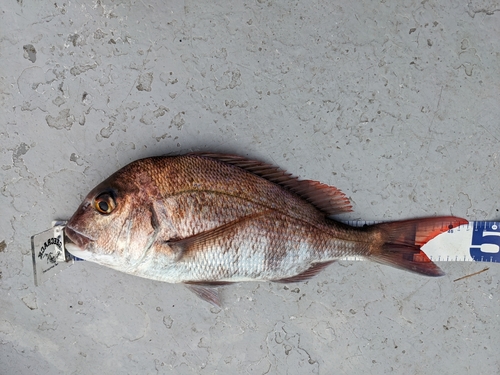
[478, 241]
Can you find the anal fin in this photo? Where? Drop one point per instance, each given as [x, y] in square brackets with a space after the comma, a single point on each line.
[207, 291]
[307, 274]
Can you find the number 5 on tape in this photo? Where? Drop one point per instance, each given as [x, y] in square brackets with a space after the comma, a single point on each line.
[485, 244]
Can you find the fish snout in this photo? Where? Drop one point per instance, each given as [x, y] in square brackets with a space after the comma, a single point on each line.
[75, 238]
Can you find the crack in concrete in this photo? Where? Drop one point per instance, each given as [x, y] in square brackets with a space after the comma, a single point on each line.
[145, 330]
[472, 11]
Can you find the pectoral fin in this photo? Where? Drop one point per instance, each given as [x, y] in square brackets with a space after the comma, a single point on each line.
[217, 237]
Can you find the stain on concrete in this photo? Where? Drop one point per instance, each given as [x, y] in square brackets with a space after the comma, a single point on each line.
[178, 121]
[79, 69]
[144, 82]
[29, 52]
[76, 159]
[65, 120]
[19, 151]
[30, 301]
[149, 116]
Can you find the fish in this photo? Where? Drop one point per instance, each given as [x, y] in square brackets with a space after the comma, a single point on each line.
[209, 219]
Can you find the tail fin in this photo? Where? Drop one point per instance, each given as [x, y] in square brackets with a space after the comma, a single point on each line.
[403, 240]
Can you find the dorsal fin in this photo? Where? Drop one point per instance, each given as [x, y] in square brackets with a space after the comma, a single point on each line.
[326, 198]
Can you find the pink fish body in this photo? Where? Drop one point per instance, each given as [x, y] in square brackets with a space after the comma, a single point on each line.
[211, 219]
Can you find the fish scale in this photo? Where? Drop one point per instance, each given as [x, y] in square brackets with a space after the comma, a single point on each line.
[295, 248]
[204, 175]
[206, 211]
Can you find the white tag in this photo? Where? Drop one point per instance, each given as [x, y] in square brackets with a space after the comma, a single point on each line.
[48, 253]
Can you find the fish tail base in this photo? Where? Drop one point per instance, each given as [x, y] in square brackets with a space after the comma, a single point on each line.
[400, 243]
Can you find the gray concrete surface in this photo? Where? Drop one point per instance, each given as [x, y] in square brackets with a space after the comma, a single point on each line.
[395, 103]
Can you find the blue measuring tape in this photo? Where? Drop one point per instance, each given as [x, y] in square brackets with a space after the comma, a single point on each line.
[485, 241]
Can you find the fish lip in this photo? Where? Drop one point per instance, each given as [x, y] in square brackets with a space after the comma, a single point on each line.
[76, 238]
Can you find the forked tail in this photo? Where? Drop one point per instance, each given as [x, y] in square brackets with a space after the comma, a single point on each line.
[400, 243]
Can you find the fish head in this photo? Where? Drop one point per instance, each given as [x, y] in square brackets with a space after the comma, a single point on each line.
[115, 223]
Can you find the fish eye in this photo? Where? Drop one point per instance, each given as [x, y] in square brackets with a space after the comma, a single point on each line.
[104, 203]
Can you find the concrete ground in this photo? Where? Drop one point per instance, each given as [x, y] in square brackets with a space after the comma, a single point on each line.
[396, 103]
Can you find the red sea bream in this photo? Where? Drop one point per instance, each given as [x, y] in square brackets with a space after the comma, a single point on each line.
[209, 219]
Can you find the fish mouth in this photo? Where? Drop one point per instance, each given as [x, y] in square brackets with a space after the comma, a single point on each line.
[77, 243]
